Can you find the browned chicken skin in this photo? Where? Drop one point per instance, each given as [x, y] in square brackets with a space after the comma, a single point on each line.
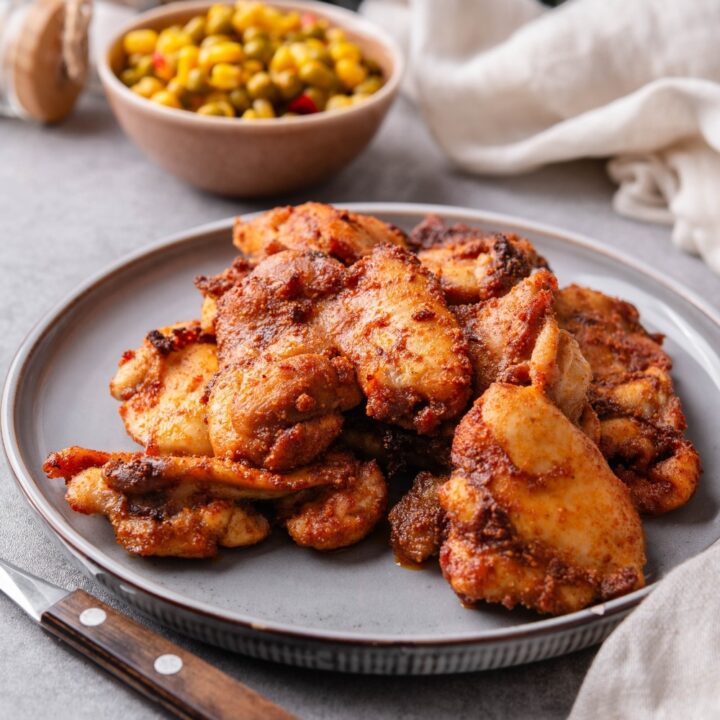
[278, 397]
[170, 523]
[339, 233]
[641, 419]
[162, 385]
[188, 506]
[336, 517]
[409, 353]
[417, 521]
[473, 266]
[213, 287]
[535, 515]
[301, 335]
[516, 338]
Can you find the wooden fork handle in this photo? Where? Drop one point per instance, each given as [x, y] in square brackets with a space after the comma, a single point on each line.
[166, 673]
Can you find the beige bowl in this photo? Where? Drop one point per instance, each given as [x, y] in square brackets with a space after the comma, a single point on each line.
[259, 157]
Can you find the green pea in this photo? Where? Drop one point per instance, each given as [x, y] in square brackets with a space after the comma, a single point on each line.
[261, 86]
[320, 54]
[219, 20]
[263, 108]
[254, 32]
[288, 84]
[144, 66]
[316, 74]
[314, 31]
[130, 77]
[217, 109]
[240, 100]
[257, 49]
[369, 86]
[318, 96]
[197, 81]
[195, 28]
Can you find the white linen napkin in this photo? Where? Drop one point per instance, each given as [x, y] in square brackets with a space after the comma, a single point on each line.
[663, 662]
[507, 86]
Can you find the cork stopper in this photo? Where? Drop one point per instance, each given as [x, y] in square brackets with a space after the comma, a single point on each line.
[43, 87]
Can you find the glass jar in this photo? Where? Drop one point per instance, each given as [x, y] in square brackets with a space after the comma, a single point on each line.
[43, 57]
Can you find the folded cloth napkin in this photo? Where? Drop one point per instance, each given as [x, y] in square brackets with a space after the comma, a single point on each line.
[507, 86]
[663, 662]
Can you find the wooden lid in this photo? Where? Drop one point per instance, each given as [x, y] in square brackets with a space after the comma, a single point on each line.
[41, 82]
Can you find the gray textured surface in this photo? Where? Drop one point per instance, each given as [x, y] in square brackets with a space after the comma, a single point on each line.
[76, 197]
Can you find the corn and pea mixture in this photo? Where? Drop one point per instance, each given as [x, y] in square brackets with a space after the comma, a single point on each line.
[250, 61]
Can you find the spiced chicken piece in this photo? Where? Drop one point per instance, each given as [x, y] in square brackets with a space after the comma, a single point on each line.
[339, 233]
[417, 521]
[161, 386]
[535, 515]
[472, 265]
[186, 506]
[641, 419]
[409, 353]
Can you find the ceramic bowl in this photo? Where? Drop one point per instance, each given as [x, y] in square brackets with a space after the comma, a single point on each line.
[252, 158]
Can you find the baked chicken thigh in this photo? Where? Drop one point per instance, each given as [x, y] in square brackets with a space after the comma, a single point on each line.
[536, 517]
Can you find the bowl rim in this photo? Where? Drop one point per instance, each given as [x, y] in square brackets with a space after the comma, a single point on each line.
[345, 19]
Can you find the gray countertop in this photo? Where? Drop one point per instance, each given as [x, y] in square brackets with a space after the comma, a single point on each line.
[76, 197]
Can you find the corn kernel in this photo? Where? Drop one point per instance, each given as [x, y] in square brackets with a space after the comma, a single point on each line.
[247, 14]
[282, 60]
[166, 98]
[227, 52]
[215, 40]
[171, 40]
[337, 102]
[147, 87]
[344, 51]
[263, 108]
[289, 23]
[140, 41]
[299, 53]
[219, 108]
[369, 86]
[350, 72]
[249, 114]
[187, 60]
[335, 35]
[271, 18]
[226, 77]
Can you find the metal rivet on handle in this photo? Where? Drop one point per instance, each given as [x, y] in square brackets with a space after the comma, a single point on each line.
[93, 616]
[168, 664]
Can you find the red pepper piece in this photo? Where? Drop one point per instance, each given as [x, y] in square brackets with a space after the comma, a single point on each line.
[307, 19]
[303, 105]
[159, 61]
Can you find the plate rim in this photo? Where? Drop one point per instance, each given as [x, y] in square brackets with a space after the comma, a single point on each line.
[90, 555]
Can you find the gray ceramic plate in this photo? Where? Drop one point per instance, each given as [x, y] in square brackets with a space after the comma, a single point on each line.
[353, 610]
